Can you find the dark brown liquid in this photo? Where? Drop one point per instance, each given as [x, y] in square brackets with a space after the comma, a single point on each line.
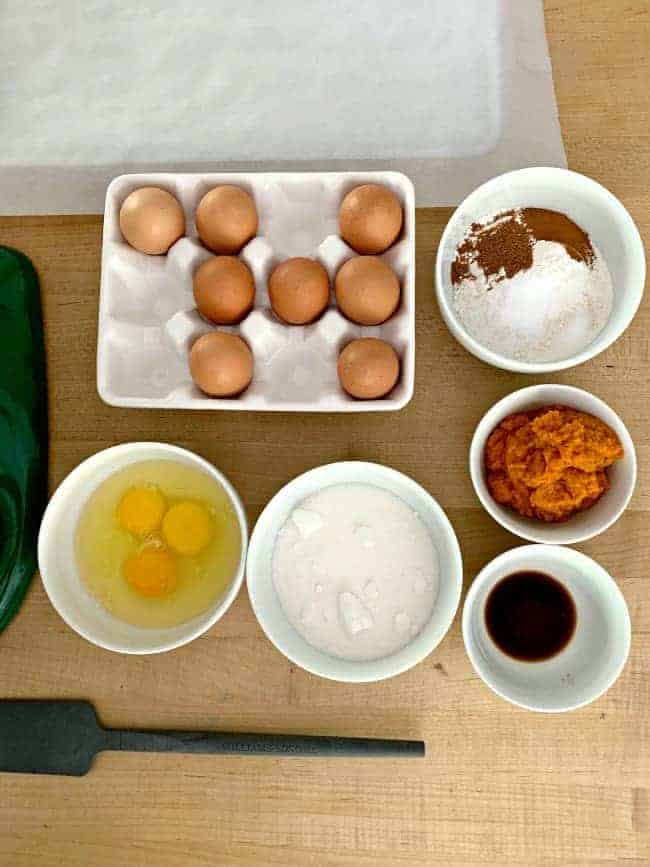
[530, 616]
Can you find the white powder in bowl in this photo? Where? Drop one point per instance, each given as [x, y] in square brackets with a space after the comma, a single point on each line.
[548, 312]
[356, 571]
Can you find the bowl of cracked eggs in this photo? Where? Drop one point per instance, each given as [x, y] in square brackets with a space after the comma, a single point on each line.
[142, 547]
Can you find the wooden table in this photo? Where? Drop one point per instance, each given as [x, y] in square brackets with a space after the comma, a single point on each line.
[499, 786]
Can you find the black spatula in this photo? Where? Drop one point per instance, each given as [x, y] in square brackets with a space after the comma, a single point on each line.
[63, 737]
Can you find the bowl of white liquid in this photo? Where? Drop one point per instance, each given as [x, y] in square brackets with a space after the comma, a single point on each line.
[354, 572]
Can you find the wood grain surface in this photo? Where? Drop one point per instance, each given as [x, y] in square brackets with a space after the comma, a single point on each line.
[500, 786]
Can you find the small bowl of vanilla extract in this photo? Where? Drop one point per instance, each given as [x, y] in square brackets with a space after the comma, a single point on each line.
[546, 628]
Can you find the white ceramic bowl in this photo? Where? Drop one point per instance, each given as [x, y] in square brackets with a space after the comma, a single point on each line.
[588, 665]
[266, 603]
[585, 525]
[586, 202]
[58, 565]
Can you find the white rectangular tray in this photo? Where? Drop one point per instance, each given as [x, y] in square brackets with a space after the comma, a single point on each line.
[449, 93]
[147, 319]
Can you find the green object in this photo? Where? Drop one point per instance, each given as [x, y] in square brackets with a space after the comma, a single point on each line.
[23, 428]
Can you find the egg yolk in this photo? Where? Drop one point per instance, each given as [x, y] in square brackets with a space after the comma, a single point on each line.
[151, 572]
[141, 510]
[187, 528]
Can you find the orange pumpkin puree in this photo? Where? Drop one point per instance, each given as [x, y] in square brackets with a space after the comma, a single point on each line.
[550, 463]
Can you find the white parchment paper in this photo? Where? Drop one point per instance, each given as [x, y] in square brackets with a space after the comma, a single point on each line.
[449, 92]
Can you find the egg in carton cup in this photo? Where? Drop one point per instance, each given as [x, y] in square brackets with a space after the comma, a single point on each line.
[148, 321]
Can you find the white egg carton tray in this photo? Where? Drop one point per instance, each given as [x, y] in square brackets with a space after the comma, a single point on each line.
[148, 321]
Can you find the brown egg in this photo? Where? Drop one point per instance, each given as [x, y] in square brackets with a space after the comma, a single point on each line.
[151, 220]
[299, 290]
[368, 368]
[224, 289]
[370, 218]
[226, 219]
[221, 364]
[367, 290]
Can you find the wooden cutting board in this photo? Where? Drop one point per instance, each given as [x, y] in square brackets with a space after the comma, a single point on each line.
[499, 786]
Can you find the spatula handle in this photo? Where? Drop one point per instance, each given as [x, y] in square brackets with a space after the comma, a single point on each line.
[260, 744]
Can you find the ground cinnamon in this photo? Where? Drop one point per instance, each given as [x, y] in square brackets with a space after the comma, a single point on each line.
[548, 225]
[503, 246]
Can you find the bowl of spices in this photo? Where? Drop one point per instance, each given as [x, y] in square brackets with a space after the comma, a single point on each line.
[546, 628]
[354, 572]
[539, 270]
[553, 464]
